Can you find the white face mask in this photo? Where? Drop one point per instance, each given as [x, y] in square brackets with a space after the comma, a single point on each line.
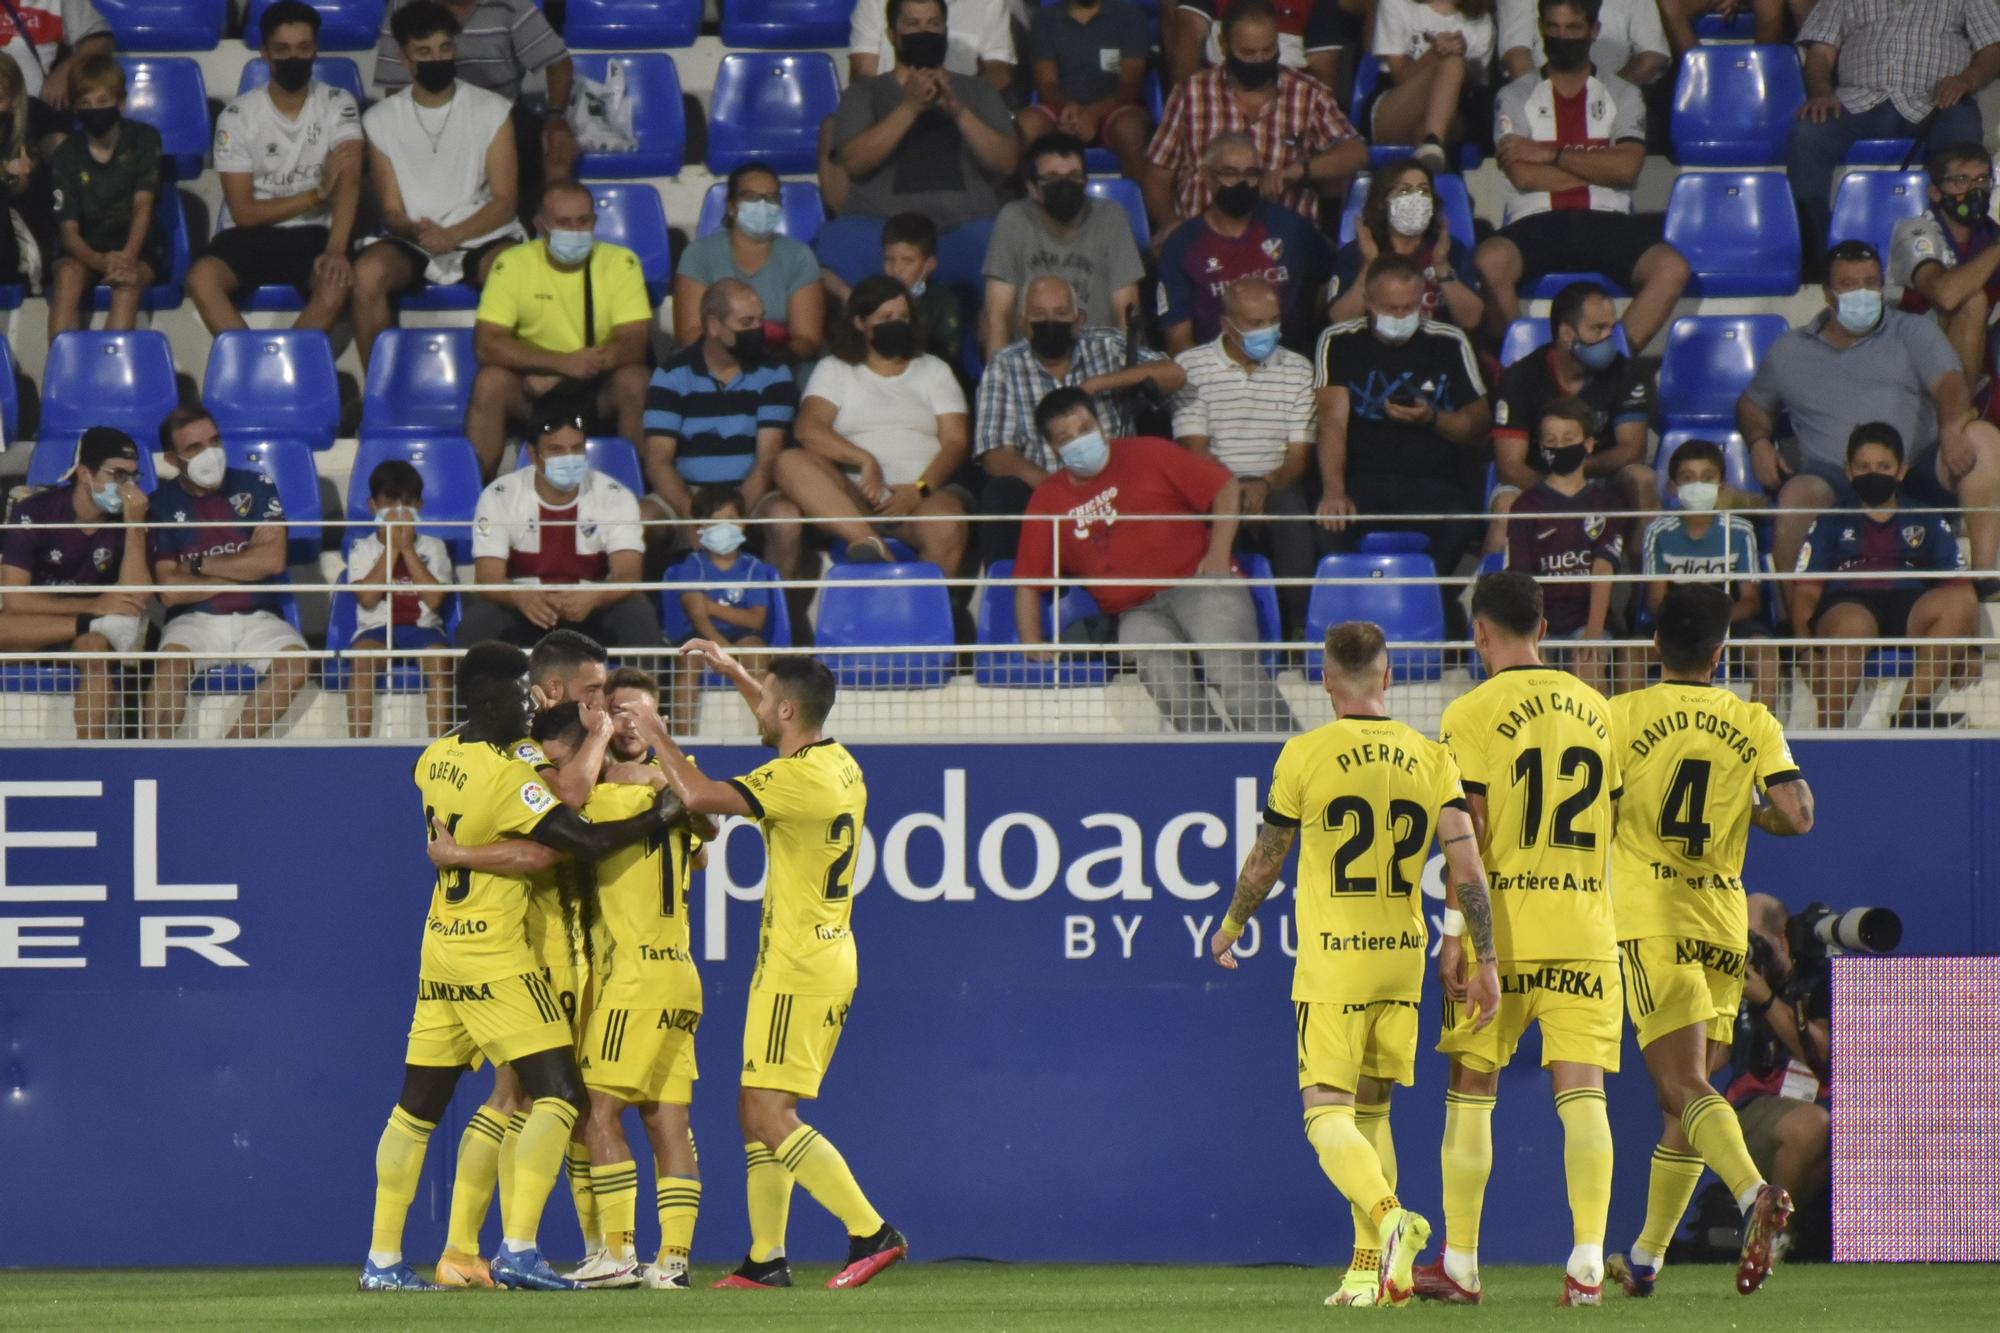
[205, 469]
[1409, 214]
[1698, 495]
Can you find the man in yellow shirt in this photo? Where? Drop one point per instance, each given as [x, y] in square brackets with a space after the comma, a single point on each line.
[563, 314]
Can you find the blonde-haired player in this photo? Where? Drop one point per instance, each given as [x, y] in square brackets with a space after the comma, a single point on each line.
[1369, 795]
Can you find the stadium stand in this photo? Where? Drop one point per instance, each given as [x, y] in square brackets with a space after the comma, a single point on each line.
[167, 93]
[275, 385]
[1734, 105]
[631, 216]
[768, 108]
[345, 25]
[1708, 360]
[419, 382]
[631, 25]
[1406, 611]
[659, 120]
[165, 25]
[777, 25]
[885, 606]
[1738, 231]
[1867, 205]
[997, 627]
[102, 379]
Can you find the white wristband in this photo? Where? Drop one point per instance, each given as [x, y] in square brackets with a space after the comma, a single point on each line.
[1454, 922]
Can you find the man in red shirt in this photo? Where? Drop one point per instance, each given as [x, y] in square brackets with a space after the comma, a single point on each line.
[1079, 537]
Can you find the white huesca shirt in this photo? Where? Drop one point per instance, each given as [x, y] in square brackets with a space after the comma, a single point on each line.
[285, 157]
[895, 419]
[512, 520]
[439, 157]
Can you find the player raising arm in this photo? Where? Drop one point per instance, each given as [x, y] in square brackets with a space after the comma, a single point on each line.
[1368, 793]
[810, 801]
[1695, 757]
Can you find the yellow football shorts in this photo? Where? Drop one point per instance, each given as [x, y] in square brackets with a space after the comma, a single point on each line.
[1672, 982]
[1575, 1003]
[788, 1040]
[641, 1055]
[1339, 1042]
[500, 1020]
[571, 986]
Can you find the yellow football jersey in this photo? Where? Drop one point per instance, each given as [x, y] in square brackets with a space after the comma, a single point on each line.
[555, 917]
[811, 805]
[1365, 794]
[1693, 754]
[1537, 744]
[642, 948]
[482, 793]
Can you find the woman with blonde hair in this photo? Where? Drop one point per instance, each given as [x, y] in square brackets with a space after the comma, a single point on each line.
[24, 178]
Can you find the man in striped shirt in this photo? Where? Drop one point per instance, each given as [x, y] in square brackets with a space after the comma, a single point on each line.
[1248, 404]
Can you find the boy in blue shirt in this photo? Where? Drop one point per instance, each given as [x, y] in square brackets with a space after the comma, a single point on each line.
[734, 605]
[1700, 543]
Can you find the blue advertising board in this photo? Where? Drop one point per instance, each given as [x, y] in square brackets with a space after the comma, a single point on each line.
[208, 960]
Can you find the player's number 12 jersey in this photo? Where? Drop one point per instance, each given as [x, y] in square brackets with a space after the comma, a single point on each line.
[811, 804]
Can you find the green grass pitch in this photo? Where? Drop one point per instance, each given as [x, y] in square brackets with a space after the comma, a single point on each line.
[998, 1297]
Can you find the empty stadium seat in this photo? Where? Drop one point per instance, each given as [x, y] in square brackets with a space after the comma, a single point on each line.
[631, 25]
[337, 71]
[883, 606]
[996, 625]
[1867, 205]
[632, 216]
[165, 25]
[273, 383]
[1735, 456]
[1409, 612]
[287, 463]
[167, 93]
[10, 396]
[419, 382]
[780, 24]
[451, 485]
[1880, 153]
[1256, 570]
[396, 675]
[674, 622]
[1527, 333]
[768, 107]
[613, 455]
[1738, 231]
[1125, 193]
[345, 25]
[659, 120]
[804, 210]
[1451, 196]
[1708, 361]
[1734, 105]
[106, 379]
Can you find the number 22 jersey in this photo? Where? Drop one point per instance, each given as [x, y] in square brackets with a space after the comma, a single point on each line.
[811, 804]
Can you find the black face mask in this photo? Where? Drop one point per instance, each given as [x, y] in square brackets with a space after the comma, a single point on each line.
[1875, 489]
[1567, 52]
[749, 347]
[97, 121]
[1238, 200]
[292, 73]
[1064, 200]
[922, 50]
[895, 339]
[1968, 209]
[1565, 460]
[1051, 339]
[1252, 74]
[434, 76]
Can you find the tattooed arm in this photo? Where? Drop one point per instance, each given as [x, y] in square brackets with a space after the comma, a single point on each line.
[1787, 811]
[1253, 885]
[1465, 878]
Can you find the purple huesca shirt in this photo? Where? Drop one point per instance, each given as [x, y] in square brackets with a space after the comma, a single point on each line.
[58, 557]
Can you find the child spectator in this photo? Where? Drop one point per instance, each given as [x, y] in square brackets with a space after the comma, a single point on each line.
[1697, 543]
[106, 179]
[909, 255]
[395, 554]
[1560, 535]
[734, 608]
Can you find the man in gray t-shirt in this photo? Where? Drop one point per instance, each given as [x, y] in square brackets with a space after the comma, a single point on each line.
[1059, 231]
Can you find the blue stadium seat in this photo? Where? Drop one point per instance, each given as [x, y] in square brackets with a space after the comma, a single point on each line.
[1410, 612]
[402, 675]
[768, 107]
[167, 93]
[1738, 230]
[288, 464]
[241, 676]
[1545, 287]
[1264, 598]
[677, 628]
[1739, 27]
[274, 384]
[1709, 359]
[900, 552]
[996, 625]
[1457, 205]
[339, 71]
[433, 297]
[632, 216]
[451, 485]
[659, 120]
[631, 25]
[805, 211]
[345, 25]
[10, 395]
[613, 455]
[106, 379]
[170, 217]
[1734, 105]
[165, 25]
[1527, 333]
[881, 606]
[1125, 193]
[51, 460]
[1867, 205]
[419, 382]
[1880, 153]
[1735, 457]
[777, 25]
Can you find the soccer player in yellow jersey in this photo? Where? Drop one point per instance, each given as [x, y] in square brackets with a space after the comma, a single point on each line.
[1369, 795]
[1540, 764]
[810, 801]
[1694, 758]
[480, 992]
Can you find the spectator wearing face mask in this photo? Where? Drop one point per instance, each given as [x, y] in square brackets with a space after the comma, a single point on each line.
[1400, 216]
[732, 598]
[1944, 261]
[1560, 536]
[748, 248]
[399, 579]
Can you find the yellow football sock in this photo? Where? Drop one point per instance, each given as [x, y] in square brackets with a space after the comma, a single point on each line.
[1711, 1126]
[1669, 1187]
[1586, 1161]
[509, 1143]
[537, 1162]
[472, 1182]
[769, 1187]
[1466, 1160]
[583, 1193]
[816, 1164]
[1350, 1163]
[399, 1161]
[616, 1191]
[679, 1199]
[1372, 1119]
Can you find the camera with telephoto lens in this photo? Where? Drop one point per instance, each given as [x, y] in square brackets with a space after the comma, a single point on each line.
[1815, 934]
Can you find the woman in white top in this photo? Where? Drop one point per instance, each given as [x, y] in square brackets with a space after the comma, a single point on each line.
[883, 429]
[1438, 54]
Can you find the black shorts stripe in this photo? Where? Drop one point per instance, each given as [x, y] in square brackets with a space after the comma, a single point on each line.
[1303, 1010]
[538, 991]
[780, 1030]
[614, 1035]
[1636, 979]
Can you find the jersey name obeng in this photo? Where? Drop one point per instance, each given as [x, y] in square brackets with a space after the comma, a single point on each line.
[1692, 756]
[1365, 794]
[811, 805]
[481, 793]
[642, 947]
[1537, 744]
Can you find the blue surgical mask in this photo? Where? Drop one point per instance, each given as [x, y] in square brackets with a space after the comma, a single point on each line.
[1258, 344]
[1087, 454]
[1398, 328]
[107, 499]
[721, 538]
[1859, 310]
[917, 287]
[1594, 357]
[759, 218]
[571, 247]
[566, 471]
